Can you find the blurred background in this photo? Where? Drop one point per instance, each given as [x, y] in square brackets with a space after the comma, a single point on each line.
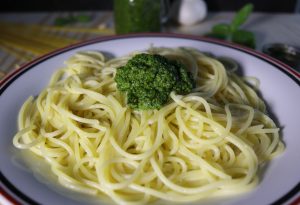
[31, 28]
[93, 5]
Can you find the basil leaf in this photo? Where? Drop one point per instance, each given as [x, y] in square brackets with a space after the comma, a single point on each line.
[243, 37]
[62, 21]
[241, 16]
[221, 29]
[83, 18]
[217, 35]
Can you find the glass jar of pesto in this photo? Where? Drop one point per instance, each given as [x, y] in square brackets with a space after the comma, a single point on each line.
[133, 16]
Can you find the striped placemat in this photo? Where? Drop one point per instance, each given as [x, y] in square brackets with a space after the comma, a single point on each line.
[24, 37]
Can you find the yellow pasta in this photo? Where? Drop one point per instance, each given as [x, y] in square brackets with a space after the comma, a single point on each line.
[204, 144]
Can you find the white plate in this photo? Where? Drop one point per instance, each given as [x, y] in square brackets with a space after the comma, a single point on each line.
[279, 87]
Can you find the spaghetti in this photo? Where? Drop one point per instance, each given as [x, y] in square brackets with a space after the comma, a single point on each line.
[207, 143]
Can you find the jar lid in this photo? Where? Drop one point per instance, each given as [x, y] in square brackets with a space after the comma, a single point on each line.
[285, 53]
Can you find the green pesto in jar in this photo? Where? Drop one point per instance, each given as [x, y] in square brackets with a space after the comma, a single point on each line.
[133, 16]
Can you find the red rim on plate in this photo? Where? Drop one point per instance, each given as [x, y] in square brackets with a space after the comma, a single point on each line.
[15, 196]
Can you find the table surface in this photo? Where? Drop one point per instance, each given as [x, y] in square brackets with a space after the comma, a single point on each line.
[268, 28]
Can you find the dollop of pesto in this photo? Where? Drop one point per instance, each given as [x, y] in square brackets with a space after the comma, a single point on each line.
[148, 80]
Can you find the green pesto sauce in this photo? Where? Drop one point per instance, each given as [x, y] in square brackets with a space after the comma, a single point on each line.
[133, 16]
[147, 80]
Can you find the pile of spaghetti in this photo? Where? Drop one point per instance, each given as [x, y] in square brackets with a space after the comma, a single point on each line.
[210, 142]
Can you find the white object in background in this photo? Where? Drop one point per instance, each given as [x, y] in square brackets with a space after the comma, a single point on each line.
[189, 12]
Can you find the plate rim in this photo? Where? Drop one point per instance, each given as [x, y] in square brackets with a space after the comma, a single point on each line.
[17, 197]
